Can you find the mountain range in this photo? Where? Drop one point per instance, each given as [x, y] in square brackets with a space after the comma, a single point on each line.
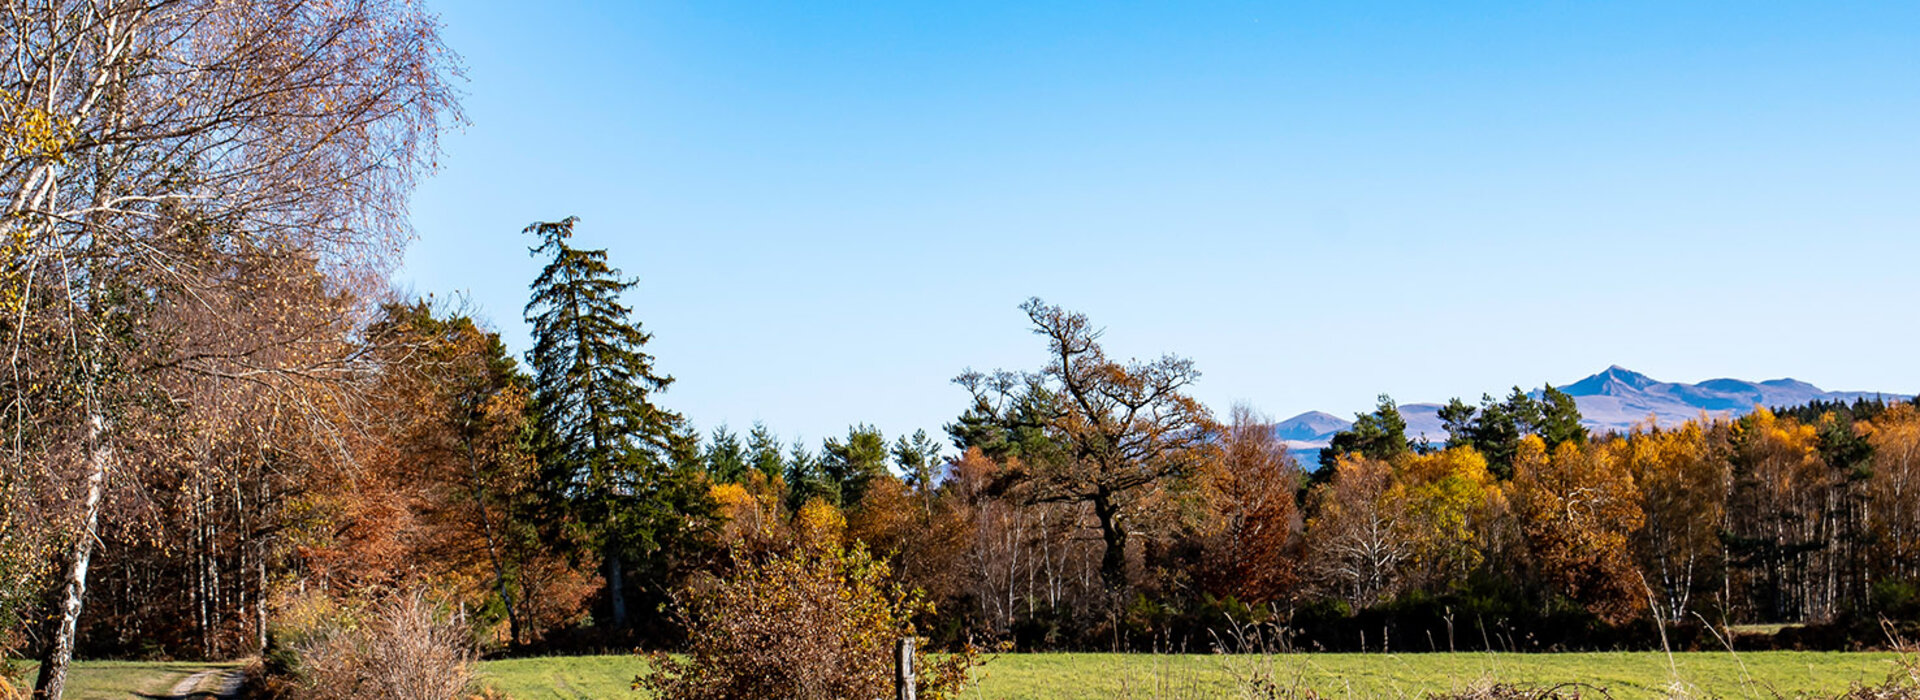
[1615, 399]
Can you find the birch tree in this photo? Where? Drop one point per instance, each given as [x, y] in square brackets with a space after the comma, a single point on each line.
[124, 124]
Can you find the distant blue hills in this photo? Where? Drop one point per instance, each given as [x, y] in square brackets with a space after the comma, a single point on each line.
[1615, 399]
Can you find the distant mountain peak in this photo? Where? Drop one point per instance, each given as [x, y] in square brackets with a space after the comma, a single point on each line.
[1310, 426]
[1616, 399]
[1612, 381]
[1790, 383]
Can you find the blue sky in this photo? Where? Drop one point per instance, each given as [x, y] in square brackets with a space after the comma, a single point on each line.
[833, 208]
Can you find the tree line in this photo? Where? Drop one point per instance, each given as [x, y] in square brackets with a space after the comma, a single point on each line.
[216, 414]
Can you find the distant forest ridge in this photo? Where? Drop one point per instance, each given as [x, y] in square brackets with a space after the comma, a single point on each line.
[1614, 399]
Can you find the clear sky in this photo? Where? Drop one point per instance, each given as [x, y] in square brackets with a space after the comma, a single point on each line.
[833, 208]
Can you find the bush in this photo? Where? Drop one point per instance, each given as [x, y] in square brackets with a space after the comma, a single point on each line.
[818, 622]
[404, 648]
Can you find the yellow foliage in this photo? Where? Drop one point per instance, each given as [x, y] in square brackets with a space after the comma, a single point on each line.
[820, 524]
[1448, 501]
[1354, 543]
[32, 132]
[732, 499]
[1894, 489]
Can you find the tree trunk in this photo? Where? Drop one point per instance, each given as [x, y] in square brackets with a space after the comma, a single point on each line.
[52, 681]
[1113, 562]
[616, 590]
[493, 551]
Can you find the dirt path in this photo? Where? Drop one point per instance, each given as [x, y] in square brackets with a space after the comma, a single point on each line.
[215, 683]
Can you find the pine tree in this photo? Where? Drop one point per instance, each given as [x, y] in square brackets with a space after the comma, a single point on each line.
[1559, 418]
[726, 459]
[917, 457]
[1497, 431]
[806, 481]
[855, 462]
[763, 452]
[1380, 435]
[609, 451]
[1457, 417]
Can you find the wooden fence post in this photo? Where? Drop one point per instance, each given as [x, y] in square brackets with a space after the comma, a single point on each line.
[903, 663]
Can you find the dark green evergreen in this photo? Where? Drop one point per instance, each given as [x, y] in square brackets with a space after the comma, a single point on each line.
[725, 457]
[806, 481]
[1457, 417]
[916, 458]
[1007, 418]
[1381, 434]
[1559, 418]
[617, 463]
[855, 462]
[763, 452]
[1497, 431]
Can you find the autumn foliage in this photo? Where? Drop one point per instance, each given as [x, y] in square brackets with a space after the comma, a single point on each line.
[816, 622]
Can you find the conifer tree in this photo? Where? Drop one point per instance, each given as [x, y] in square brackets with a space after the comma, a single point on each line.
[1496, 432]
[726, 459]
[1559, 418]
[1457, 418]
[763, 452]
[806, 480]
[1381, 435]
[918, 457]
[855, 462]
[613, 456]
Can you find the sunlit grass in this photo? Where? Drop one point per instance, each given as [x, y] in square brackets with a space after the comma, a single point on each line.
[1625, 675]
[121, 680]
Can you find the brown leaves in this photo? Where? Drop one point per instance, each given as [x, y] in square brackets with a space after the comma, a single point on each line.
[816, 623]
[1579, 508]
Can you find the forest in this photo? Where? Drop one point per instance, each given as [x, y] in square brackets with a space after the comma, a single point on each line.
[220, 417]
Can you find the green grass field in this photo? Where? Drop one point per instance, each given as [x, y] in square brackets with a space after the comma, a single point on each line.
[1124, 676]
[1115, 676]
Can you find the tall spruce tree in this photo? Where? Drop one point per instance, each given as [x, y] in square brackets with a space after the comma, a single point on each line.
[806, 480]
[611, 456]
[763, 452]
[726, 458]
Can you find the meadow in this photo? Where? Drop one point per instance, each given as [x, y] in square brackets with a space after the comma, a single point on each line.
[123, 680]
[1624, 675]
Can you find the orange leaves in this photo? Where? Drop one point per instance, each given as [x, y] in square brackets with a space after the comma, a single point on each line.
[1252, 525]
[1681, 479]
[1578, 508]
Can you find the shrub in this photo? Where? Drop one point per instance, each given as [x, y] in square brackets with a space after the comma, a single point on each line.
[817, 622]
[404, 648]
